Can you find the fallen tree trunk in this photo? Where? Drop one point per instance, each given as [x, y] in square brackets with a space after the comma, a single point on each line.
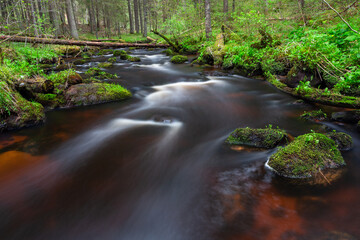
[175, 46]
[78, 43]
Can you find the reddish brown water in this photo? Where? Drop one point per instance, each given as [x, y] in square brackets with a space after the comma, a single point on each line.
[155, 167]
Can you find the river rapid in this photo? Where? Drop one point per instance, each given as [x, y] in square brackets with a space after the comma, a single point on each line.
[156, 167]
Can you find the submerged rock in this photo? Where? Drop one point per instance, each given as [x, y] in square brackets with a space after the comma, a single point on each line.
[346, 116]
[260, 138]
[94, 93]
[343, 140]
[308, 156]
[178, 59]
[318, 115]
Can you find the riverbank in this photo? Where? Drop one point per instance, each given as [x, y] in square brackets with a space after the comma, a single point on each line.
[35, 79]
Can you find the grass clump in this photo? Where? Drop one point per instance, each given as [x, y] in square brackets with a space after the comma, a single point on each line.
[261, 138]
[306, 155]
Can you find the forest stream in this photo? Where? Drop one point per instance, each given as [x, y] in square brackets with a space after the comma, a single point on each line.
[156, 167]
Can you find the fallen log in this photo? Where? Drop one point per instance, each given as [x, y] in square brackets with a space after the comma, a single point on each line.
[175, 45]
[79, 43]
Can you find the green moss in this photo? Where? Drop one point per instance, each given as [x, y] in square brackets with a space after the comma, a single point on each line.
[112, 60]
[306, 155]
[99, 74]
[262, 138]
[94, 93]
[119, 53]
[105, 65]
[62, 77]
[105, 51]
[343, 140]
[133, 59]
[169, 52]
[314, 115]
[178, 59]
[132, 48]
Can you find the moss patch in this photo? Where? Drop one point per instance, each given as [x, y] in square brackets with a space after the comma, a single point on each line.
[343, 140]
[119, 53]
[318, 115]
[99, 74]
[306, 155]
[94, 93]
[133, 59]
[261, 138]
[178, 59]
[112, 60]
[105, 65]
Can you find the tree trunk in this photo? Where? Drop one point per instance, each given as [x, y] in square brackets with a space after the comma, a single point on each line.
[145, 17]
[71, 19]
[302, 3]
[140, 16]
[53, 17]
[131, 20]
[233, 6]
[136, 15]
[225, 9]
[33, 14]
[207, 19]
[78, 43]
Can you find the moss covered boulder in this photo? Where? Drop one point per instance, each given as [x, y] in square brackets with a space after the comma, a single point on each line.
[299, 74]
[318, 115]
[97, 73]
[17, 112]
[105, 65]
[67, 77]
[169, 52]
[178, 59]
[119, 53]
[308, 156]
[94, 93]
[105, 52]
[133, 59]
[343, 140]
[67, 50]
[112, 60]
[260, 138]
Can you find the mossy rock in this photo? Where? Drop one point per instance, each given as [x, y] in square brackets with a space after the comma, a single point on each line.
[299, 74]
[306, 156]
[67, 50]
[68, 76]
[133, 59]
[178, 59]
[132, 48]
[79, 61]
[318, 115]
[50, 100]
[94, 93]
[97, 73]
[343, 140]
[105, 65]
[260, 138]
[169, 52]
[105, 51]
[112, 60]
[119, 53]
[346, 116]
[17, 112]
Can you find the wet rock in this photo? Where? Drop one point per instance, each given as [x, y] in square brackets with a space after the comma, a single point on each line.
[105, 65]
[260, 138]
[74, 78]
[346, 117]
[343, 140]
[299, 102]
[318, 115]
[97, 73]
[178, 59]
[311, 156]
[94, 93]
[112, 60]
[119, 53]
[133, 59]
[79, 61]
[298, 74]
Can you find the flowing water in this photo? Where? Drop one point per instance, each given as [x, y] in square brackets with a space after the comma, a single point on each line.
[156, 167]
